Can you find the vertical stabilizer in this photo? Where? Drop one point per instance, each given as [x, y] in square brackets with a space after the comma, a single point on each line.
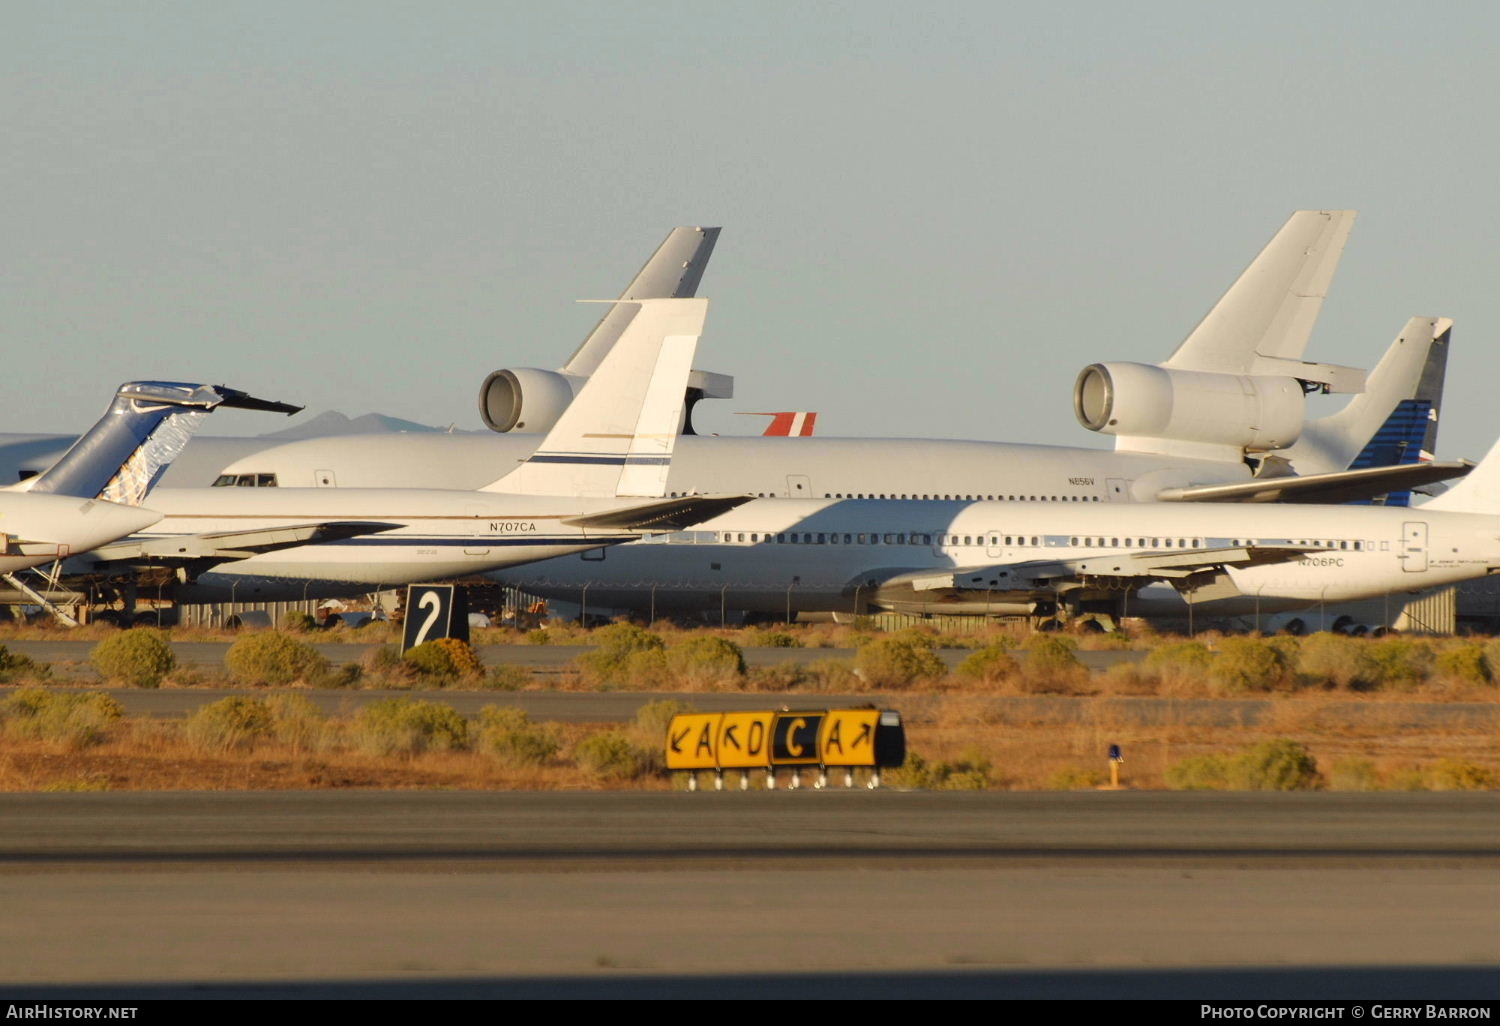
[616, 438]
[1271, 309]
[673, 272]
[122, 457]
[1477, 493]
[1392, 422]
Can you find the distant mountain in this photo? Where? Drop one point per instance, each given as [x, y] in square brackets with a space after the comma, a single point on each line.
[335, 423]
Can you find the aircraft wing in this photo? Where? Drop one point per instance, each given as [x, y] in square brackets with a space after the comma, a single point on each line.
[661, 515]
[225, 546]
[1139, 567]
[1338, 487]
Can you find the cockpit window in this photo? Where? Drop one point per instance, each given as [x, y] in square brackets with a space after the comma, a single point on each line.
[245, 481]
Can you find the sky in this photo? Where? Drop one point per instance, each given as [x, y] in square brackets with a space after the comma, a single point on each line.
[934, 215]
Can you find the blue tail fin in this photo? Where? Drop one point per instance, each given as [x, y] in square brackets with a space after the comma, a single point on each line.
[1409, 434]
[122, 457]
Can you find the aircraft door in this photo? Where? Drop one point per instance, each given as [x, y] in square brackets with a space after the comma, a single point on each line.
[1414, 547]
[992, 544]
[798, 486]
[1119, 489]
[325, 479]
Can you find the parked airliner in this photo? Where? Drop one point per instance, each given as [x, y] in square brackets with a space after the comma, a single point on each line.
[779, 557]
[597, 479]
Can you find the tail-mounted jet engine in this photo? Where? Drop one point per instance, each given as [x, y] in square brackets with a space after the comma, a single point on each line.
[1140, 401]
[529, 401]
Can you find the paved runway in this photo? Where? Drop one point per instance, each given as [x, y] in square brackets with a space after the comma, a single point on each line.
[790, 894]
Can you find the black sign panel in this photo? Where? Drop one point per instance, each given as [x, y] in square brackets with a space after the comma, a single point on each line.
[794, 738]
[434, 611]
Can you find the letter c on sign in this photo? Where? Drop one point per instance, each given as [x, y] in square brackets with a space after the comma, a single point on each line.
[793, 749]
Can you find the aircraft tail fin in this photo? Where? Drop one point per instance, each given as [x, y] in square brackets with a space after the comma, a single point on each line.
[616, 438]
[673, 272]
[1267, 316]
[1394, 421]
[121, 458]
[1477, 493]
[789, 423]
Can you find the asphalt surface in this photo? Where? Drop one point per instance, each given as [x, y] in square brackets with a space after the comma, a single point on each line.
[792, 894]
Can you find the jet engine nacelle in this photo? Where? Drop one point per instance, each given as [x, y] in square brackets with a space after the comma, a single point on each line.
[1140, 400]
[526, 400]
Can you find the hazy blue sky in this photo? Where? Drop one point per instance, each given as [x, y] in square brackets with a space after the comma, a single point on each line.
[934, 215]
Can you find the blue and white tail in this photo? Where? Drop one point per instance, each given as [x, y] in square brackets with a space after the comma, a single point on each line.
[122, 457]
[1394, 420]
[616, 438]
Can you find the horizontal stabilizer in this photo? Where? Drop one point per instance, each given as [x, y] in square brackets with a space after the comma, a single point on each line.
[224, 546]
[666, 515]
[1338, 487]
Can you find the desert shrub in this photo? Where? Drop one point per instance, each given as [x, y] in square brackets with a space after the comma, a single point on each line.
[1325, 658]
[270, 657]
[14, 667]
[444, 661]
[626, 655]
[1276, 765]
[832, 675]
[654, 718]
[898, 661]
[507, 734]
[611, 756]
[1491, 658]
[1075, 778]
[1051, 665]
[537, 636]
[77, 719]
[140, 657]
[704, 661]
[230, 723]
[506, 678]
[990, 665]
[1457, 775]
[1245, 664]
[298, 622]
[778, 677]
[1400, 664]
[1199, 773]
[1462, 663]
[296, 721]
[1354, 775]
[1127, 679]
[1178, 663]
[971, 771]
[406, 726]
[771, 639]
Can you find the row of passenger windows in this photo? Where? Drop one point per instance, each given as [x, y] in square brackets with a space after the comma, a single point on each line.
[1073, 541]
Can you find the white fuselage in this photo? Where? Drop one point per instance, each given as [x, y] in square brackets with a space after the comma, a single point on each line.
[777, 555]
[437, 534]
[796, 468]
